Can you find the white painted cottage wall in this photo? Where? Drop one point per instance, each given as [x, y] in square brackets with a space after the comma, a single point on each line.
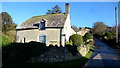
[67, 30]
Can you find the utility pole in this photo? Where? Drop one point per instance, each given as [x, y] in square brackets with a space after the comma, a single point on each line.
[116, 20]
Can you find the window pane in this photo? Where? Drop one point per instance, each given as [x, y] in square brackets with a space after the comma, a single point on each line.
[42, 39]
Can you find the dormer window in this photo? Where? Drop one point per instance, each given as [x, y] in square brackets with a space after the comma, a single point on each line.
[42, 24]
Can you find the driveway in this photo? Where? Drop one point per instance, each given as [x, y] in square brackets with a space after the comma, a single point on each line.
[104, 56]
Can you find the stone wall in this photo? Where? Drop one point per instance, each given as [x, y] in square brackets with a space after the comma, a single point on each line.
[84, 50]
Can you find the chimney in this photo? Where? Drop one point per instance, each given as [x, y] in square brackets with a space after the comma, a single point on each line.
[67, 8]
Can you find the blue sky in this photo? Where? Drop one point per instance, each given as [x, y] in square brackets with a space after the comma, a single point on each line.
[83, 14]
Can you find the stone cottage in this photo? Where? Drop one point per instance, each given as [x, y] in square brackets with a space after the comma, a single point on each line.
[54, 29]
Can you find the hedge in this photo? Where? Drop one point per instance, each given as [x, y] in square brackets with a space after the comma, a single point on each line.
[76, 39]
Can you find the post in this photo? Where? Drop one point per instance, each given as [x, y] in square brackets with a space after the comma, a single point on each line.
[116, 20]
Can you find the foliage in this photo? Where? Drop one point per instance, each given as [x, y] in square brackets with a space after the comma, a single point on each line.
[109, 35]
[72, 49]
[99, 28]
[78, 48]
[77, 63]
[76, 39]
[54, 10]
[22, 52]
[5, 40]
[69, 43]
[90, 52]
[7, 23]
[87, 28]
[88, 36]
[8, 27]
[91, 42]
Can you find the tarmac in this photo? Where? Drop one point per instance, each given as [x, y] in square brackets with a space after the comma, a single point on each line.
[103, 57]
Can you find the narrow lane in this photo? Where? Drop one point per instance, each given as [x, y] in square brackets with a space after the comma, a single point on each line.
[104, 56]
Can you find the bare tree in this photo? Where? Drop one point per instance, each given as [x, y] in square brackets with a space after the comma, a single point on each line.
[55, 9]
[99, 28]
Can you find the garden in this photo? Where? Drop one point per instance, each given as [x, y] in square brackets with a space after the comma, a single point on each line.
[35, 54]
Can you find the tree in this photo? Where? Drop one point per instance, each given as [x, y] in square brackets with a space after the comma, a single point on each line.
[109, 35]
[76, 39]
[88, 36]
[7, 23]
[99, 28]
[49, 12]
[54, 10]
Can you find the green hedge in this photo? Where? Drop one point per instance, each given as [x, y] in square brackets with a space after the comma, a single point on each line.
[109, 35]
[88, 36]
[76, 39]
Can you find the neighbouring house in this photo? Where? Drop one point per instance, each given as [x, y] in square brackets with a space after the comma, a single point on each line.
[81, 31]
[52, 29]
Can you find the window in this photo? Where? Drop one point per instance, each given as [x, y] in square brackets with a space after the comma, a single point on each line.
[42, 38]
[42, 25]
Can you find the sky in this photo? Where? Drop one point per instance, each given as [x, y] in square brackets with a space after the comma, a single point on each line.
[83, 14]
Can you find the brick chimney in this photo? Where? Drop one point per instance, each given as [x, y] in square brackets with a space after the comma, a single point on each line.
[67, 8]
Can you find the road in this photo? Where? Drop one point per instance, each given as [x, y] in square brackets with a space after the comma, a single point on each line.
[104, 56]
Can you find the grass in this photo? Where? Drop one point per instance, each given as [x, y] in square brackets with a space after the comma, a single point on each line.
[78, 63]
[88, 55]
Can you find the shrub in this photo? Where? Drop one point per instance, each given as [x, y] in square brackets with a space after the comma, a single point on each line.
[69, 43]
[88, 36]
[5, 40]
[109, 35]
[91, 42]
[78, 48]
[76, 39]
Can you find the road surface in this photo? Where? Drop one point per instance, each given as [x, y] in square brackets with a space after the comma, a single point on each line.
[104, 56]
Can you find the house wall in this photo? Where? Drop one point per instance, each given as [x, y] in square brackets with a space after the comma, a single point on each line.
[82, 32]
[68, 31]
[52, 35]
[29, 35]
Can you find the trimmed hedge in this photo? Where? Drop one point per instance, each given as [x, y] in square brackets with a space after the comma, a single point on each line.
[88, 36]
[76, 39]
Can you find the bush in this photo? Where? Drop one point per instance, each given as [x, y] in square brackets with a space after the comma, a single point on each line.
[22, 52]
[88, 36]
[69, 43]
[109, 35]
[5, 40]
[91, 42]
[76, 39]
